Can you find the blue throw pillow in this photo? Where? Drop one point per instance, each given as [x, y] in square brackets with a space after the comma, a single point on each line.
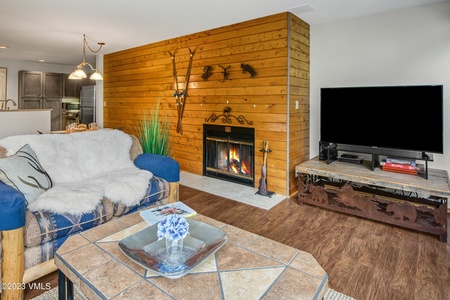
[161, 166]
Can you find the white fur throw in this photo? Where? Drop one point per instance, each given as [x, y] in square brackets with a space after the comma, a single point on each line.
[84, 167]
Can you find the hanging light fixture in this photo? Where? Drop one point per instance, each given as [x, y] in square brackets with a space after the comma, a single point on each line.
[79, 73]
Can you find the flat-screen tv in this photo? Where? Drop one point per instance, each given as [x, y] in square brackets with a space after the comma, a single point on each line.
[385, 120]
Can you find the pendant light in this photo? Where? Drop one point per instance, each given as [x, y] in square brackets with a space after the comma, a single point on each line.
[79, 74]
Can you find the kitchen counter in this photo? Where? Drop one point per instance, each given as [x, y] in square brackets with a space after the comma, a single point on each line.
[24, 121]
[20, 110]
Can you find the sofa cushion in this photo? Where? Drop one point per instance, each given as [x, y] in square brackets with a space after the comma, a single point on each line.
[42, 253]
[24, 172]
[44, 226]
[158, 189]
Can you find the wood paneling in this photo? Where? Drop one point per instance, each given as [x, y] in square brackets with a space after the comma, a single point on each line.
[298, 140]
[276, 47]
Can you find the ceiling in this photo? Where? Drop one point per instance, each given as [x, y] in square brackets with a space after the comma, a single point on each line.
[53, 29]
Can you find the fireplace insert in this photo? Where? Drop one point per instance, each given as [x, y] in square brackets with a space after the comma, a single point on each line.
[228, 153]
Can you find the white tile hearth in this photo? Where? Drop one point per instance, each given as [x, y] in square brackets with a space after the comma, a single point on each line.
[234, 191]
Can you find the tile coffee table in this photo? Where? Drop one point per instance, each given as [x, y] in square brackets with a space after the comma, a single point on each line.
[248, 266]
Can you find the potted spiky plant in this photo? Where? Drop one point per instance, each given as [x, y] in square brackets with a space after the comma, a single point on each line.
[153, 133]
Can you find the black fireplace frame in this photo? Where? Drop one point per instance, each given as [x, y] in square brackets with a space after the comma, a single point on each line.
[244, 134]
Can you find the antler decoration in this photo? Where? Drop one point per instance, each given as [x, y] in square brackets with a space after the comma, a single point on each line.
[225, 72]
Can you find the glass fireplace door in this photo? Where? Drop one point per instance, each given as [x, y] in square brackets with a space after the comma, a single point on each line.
[229, 154]
[230, 158]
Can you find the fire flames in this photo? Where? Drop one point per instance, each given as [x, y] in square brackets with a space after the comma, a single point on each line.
[235, 163]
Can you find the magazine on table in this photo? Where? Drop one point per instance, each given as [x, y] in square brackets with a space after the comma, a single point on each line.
[154, 215]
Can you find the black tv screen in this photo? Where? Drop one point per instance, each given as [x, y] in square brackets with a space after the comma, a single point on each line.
[387, 117]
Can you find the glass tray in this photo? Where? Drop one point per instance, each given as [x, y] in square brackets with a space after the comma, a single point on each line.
[144, 248]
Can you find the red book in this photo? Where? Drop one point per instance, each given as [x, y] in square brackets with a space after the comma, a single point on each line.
[398, 166]
[399, 170]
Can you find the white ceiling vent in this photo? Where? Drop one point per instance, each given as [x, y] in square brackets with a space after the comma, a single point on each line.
[301, 9]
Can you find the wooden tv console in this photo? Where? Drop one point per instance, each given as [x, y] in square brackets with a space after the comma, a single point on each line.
[399, 199]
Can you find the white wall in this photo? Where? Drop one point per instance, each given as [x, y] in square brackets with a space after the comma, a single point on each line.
[407, 47]
[99, 94]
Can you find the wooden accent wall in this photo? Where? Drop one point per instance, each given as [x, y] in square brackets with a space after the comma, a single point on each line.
[276, 47]
[298, 142]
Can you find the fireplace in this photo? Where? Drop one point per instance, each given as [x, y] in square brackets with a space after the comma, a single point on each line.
[228, 153]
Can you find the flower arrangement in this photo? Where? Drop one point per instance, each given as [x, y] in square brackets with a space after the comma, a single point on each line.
[173, 227]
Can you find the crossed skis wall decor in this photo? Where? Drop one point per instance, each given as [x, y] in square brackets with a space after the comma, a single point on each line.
[180, 97]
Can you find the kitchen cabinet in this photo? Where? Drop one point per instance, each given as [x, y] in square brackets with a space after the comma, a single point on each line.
[41, 90]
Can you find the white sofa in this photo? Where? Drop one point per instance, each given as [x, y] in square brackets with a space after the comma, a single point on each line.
[54, 185]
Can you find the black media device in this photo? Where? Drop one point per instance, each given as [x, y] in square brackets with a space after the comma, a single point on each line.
[354, 159]
[402, 121]
[323, 148]
[327, 151]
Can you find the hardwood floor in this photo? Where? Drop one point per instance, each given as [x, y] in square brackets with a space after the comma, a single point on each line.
[364, 259]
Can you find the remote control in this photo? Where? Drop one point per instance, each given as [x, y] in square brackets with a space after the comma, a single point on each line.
[349, 156]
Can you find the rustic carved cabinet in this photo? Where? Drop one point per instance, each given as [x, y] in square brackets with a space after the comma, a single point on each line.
[399, 199]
